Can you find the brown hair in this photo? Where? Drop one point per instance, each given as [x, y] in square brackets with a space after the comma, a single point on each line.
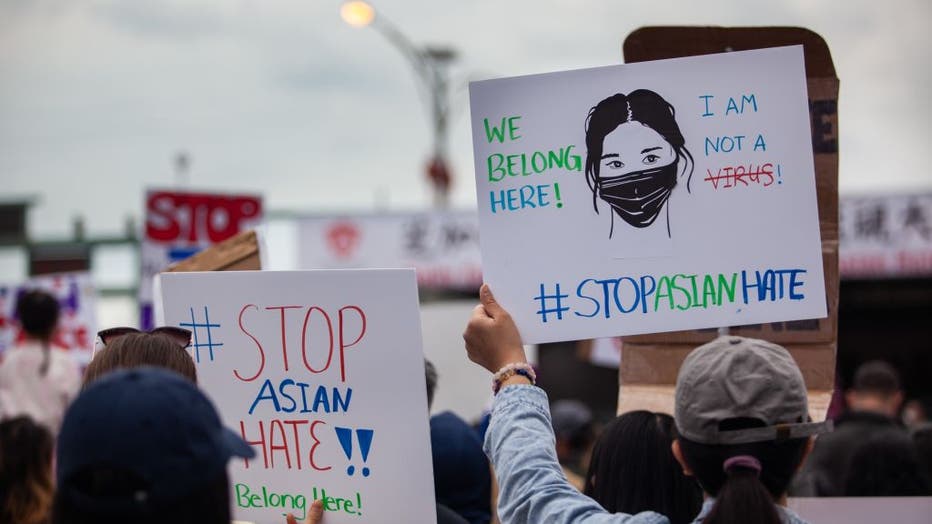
[25, 472]
[141, 349]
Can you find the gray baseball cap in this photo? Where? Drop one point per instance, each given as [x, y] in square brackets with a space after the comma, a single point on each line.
[735, 377]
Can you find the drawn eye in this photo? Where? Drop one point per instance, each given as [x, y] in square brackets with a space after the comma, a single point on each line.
[651, 159]
[615, 164]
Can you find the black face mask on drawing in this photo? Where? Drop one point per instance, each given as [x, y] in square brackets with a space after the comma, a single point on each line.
[638, 197]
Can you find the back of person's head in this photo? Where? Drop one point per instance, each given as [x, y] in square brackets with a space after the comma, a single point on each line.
[875, 388]
[572, 426]
[141, 349]
[25, 472]
[633, 469]
[37, 312]
[430, 375]
[144, 446]
[462, 476]
[741, 413]
[886, 465]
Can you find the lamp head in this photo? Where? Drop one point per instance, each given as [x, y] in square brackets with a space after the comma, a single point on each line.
[357, 13]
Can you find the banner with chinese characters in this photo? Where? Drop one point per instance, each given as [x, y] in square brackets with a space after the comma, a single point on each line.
[77, 320]
[886, 236]
[442, 246]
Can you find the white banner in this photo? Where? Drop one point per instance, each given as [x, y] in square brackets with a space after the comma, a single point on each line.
[888, 235]
[77, 321]
[322, 373]
[443, 247]
[650, 197]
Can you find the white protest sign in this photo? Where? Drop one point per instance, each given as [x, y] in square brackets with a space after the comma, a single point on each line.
[322, 373]
[650, 197]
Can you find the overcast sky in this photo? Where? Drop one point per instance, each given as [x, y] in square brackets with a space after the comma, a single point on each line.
[281, 97]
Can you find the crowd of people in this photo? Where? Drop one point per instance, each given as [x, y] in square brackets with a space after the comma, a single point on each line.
[137, 441]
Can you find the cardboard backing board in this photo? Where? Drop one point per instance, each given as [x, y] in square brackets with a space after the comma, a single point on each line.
[659, 398]
[660, 363]
[239, 253]
[656, 43]
[650, 362]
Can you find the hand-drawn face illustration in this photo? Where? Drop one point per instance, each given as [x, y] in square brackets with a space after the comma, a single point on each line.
[635, 153]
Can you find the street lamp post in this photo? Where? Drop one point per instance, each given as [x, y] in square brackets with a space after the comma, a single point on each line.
[431, 67]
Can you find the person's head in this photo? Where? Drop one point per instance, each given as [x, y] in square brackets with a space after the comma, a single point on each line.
[635, 154]
[886, 464]
[25, 472]
[141, 349]
[741, 412]
[462, 476]
[572, 428]
[38, 313]
[145, 446]
[876, 389]
[430, 374]
[633, 469]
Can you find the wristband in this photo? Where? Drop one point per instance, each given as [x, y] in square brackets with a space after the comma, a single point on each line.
[516, 368]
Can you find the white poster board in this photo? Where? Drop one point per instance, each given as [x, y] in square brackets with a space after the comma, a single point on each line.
[442, 246]
[650, 197]
[77, 320]
[322, 373]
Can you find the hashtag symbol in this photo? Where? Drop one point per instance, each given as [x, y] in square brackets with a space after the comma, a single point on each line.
[195, 327]
[543, 298]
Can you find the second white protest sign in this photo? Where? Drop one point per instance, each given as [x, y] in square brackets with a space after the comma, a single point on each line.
[322, 373]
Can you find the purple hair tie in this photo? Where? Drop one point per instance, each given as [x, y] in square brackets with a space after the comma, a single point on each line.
[742, 461]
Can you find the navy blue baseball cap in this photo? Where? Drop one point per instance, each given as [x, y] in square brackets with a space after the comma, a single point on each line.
[151, 424]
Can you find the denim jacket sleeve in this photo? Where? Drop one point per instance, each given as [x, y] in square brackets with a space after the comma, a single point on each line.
[532, 487]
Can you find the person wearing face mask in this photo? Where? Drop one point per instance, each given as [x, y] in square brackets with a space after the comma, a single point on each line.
[635, 156]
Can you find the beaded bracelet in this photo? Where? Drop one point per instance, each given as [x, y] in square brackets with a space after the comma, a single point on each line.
[517, 368]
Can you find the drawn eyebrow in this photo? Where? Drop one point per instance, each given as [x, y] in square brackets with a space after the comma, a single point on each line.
[649, 149]
[613, 155]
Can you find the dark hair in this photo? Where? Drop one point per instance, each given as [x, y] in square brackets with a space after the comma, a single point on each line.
[141, 349]
[876, 377]
[430, 374]
[633, 469]
[26, 487]
[742, 492]
[886, 465]
[115, 489]
[38, 313]
[644, 107]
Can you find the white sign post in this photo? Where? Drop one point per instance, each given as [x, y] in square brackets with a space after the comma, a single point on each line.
[322, 373]
[650, 197]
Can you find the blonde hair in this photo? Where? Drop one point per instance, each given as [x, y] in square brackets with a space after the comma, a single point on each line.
[134, 350]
